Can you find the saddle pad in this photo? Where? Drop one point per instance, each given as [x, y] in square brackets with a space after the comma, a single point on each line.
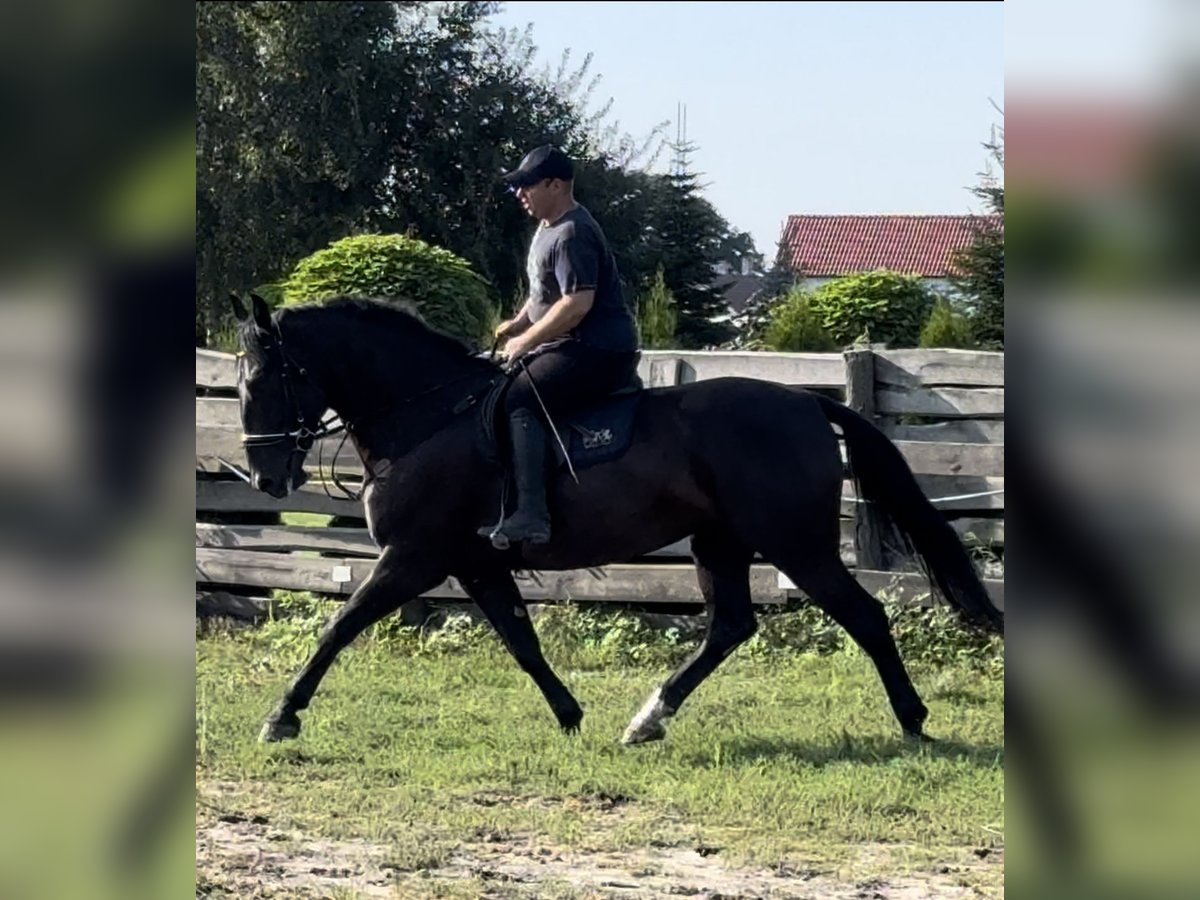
[599, 433]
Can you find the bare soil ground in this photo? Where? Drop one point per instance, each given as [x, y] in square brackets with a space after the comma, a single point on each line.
[247, 857]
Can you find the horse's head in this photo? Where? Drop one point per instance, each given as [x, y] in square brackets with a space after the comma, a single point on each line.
[281, 406]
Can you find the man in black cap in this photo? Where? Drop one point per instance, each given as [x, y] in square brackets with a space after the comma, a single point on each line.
[575, 332]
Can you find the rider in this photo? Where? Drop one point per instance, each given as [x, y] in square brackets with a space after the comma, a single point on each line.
[577, 337]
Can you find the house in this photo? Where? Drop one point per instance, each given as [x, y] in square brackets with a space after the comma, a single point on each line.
[738, 289]
[824, 247]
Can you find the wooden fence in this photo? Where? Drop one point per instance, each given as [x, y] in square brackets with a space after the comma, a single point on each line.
[944, 409]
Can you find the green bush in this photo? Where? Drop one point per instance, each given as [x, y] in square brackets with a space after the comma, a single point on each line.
[880, 307]
[793, 326]
[657, 315]
[947, 327]
[449, 295]
[598, 638]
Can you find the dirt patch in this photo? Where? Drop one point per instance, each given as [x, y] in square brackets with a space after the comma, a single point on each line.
[680, 872]
[240, 856]
[243, 855]
[601, 801]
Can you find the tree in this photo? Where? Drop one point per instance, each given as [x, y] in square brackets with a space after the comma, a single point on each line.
[684, 236]
[657, 316]
[736, 249]
[319, 121]
[979, 275]
[661, 222]
[295, 131]
[479, 107]
[794, 326]
[750, 325]
[947, 327]
[622, 201]
[783, 275]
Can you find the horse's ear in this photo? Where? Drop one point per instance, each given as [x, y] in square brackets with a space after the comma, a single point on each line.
[239, 311]
[262, 312]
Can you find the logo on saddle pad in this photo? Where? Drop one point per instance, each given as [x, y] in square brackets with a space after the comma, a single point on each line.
[594, 439]
[599, 433]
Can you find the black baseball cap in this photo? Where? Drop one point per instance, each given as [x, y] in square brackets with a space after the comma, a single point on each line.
[546, 161]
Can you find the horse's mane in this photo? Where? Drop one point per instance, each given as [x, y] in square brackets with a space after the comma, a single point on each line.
[397, 320]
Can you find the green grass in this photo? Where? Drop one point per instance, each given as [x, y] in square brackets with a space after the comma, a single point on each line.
[305, 519]
[424, 742]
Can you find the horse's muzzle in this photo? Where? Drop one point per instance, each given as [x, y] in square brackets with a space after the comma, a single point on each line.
[271, 486]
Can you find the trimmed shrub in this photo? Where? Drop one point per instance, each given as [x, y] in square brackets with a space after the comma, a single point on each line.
[450, 296]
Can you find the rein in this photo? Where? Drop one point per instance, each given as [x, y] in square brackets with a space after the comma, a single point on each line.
[304, 436]
[347, 428]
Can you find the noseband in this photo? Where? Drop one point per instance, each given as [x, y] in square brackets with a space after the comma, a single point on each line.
[303, 436]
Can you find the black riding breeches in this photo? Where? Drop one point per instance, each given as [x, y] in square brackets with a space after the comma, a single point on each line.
[569, 376]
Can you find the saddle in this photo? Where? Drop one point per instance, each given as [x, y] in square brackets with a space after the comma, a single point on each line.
[595, 434]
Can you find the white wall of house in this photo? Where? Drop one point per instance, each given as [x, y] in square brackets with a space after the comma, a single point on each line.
[724, 268]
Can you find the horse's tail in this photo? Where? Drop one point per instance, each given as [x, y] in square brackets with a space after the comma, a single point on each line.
[883, 478]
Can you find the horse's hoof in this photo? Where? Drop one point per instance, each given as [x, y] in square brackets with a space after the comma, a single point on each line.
[644, 733]
[570, 723]
[648, 725]
[279, 728]
[918, 737]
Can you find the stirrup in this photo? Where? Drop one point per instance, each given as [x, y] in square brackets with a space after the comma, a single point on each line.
[502, 541]
[493, 533]
[541, 536]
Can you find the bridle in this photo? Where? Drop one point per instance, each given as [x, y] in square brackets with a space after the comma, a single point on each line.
[304, 436]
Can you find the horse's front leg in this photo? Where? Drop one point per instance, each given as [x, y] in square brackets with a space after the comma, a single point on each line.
[393, 582]
[498, 597]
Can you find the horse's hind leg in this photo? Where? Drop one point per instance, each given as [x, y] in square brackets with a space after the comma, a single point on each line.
[500, 600]
[391, 584]
[723, 570]
[831, 586]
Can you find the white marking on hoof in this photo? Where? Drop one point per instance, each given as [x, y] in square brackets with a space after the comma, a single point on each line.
[274, 730]
[648, 724]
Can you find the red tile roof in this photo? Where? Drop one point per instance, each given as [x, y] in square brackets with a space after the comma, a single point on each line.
[824, 246]
[1079, 147]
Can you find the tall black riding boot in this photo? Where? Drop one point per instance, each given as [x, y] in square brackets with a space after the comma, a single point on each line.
[531, 521]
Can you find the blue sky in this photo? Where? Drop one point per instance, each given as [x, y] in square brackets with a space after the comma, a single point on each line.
[798, 107]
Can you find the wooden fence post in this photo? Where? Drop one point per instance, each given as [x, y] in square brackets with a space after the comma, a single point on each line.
[860, 396]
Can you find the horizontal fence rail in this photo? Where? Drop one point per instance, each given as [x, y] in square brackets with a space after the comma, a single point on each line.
[943, 408]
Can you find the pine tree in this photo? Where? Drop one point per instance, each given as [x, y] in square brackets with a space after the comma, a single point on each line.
[980, 278]
[947, 327]
[689, 238]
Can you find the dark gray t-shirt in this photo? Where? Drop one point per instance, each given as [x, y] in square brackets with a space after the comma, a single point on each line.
[572, 255]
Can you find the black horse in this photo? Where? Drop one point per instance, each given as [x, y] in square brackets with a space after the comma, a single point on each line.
[738, 465]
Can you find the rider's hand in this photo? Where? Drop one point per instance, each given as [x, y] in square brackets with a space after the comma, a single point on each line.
[514, 348]
[505, 327]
